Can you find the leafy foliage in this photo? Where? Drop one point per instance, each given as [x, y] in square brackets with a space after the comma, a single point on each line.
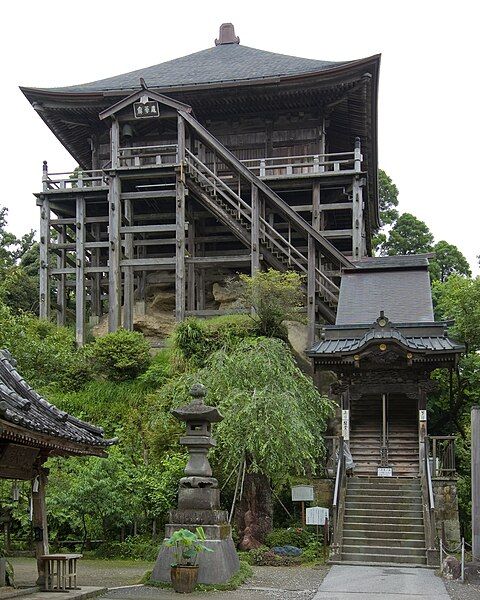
[293, 536]
[409, 235]
[196, 339]
[187, 545]
[448, 261]
[273, 412]
[459, 299]
[121, 355]
[275, 298]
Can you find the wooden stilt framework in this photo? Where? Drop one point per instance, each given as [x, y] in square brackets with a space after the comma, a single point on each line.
[184, 214]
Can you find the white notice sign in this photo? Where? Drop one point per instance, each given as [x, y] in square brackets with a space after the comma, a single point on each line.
[316, 515]
[422, 415]
[346, 425]
[302, 493]
[384, 472]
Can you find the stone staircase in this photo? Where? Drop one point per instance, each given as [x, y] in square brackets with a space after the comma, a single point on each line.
[383, 522]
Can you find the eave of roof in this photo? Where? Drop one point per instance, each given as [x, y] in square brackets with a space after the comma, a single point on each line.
[416, 344]
[219, 66]
[25, 413]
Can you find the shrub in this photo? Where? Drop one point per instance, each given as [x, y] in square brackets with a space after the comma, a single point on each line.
[158, 372]
[121, 355]
[289, 537]
[197, 339]
[275, 298]
[134, 547]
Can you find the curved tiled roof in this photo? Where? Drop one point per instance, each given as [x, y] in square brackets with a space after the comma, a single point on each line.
[22, 406]
[220, 64]
[415, 343]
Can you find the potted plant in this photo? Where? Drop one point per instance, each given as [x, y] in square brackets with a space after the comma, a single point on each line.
[187, 546]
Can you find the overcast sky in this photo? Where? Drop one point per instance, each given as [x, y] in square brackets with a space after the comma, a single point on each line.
[429, 133]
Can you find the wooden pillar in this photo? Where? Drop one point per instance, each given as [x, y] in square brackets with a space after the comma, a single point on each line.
[114, 256]
[316, 212]
[191, 274]
[80, 271]
[358, 238]
[61, 281]
[128, 283]
[255, 230]
[44, 309]
[39, 521]
[96, 288]
[180, 226]
[311, 295]
[114, 237]
[475, 433]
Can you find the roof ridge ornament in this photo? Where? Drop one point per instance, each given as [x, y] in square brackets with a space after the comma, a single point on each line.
[227, 35]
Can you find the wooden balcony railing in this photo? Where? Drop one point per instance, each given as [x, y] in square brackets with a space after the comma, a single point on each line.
[167, 154]
[285, 166]
[148, 156]
[72, 179]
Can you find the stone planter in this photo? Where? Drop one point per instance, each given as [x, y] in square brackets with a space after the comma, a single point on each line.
[184, 578]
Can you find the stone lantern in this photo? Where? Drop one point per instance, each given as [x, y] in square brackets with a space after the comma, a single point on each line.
[199, 498]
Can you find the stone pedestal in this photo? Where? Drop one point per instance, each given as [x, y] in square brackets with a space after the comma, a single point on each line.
[199, 500]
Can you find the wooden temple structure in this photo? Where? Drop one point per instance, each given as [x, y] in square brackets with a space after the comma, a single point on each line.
[32, 430]
[234, 159]
[226, 160]
[383, 347]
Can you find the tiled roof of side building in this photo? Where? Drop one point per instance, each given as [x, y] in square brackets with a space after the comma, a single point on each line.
[222, 63]
[403, 294]
[419, 343]
[23, 407]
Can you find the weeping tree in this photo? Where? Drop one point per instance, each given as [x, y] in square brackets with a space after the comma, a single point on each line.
[272, 429]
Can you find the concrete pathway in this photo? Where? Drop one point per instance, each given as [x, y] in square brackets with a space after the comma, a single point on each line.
[348, 582]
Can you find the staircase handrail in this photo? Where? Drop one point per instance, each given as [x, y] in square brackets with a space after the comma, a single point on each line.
[429, 499]
[337, 498]
[270, 232]
[218, 182]
[329, 249]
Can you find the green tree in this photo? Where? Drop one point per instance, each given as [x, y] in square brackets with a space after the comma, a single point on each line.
[387, 198]
[459, 299]
[409, 235]
[388, 203]
[274, 417]
[448, 261]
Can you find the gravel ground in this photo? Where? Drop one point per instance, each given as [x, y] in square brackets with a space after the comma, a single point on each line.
[462, 591]
[267, 583]
[106, 573]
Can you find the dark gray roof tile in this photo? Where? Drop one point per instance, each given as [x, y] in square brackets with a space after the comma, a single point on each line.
[22, 405]
[223, 63]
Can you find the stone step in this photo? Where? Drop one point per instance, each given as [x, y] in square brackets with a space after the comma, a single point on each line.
[386, 550]
[384, 542]
[390, 528]
[353, 510]
[414, 533]
[384, 558]
[382, 519]
[379, 495]
[360, 499]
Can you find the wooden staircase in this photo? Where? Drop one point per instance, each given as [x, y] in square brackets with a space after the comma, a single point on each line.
[402, 436]
[253, 211]
[383, 522]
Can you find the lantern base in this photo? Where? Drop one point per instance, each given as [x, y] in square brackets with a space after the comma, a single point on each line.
[214, 567]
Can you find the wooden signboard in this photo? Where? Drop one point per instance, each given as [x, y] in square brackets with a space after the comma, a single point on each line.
[146, 110]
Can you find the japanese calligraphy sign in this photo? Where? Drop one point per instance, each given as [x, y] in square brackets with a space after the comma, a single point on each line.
[146, 110]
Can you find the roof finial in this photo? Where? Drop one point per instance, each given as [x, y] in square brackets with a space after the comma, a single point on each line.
[227, 35]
